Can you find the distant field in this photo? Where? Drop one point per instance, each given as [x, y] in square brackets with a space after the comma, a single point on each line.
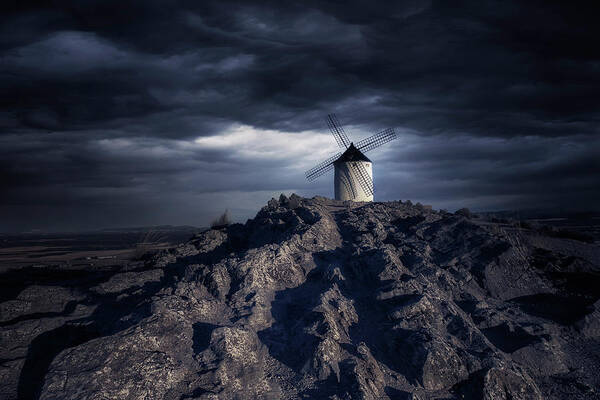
[582, 226]
[96, 249]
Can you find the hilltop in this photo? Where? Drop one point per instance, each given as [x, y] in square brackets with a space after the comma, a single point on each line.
[315, 298]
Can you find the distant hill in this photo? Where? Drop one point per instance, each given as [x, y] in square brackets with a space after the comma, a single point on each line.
[542, 214]
[167, 228]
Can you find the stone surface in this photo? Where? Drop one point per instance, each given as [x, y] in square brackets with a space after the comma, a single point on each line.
[321, 299]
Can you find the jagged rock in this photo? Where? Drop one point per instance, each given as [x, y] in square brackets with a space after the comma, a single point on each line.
[369, 377]
[149, 360]
[315, 298]
[542, 358]
[590, 324]
[34, 317]
[325, 360]
[503, 384]
[39, 301]
[126, 281]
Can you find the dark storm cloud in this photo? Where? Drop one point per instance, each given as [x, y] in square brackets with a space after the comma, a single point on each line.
[103, 105]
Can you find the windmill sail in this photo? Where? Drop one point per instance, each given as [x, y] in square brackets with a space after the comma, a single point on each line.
[364, 179]
[322, 168]
[376, 140]
[349, 186]
[338, 131]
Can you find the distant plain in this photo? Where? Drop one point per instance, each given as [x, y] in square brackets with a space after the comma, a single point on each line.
[92, 249]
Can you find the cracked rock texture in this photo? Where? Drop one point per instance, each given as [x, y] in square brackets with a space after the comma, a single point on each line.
[319, 299]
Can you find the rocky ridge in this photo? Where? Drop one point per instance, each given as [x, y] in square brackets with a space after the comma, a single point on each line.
[321, 299]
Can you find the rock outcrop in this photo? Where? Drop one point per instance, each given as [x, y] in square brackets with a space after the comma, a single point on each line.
[320, 299]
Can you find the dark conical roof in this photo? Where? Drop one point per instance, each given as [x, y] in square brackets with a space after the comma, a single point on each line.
[352, 154]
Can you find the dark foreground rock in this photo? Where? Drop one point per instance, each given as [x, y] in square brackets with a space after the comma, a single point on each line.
[318, 299]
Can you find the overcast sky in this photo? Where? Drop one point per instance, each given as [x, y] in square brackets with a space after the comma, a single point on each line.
[125, 113]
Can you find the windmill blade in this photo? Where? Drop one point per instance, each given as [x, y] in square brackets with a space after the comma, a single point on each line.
[322, 168]
[350, 188]
[364, 179]
[338, 131]
[376, 140]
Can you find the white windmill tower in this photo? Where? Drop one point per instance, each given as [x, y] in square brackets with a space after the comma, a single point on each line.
[353, 179]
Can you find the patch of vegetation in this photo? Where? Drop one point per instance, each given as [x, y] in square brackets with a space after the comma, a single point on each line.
[223, 221]
[465, 212]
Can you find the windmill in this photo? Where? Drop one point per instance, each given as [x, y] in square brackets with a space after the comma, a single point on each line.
[353, 177]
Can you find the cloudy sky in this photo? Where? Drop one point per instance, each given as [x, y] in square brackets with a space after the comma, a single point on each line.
[124, 113]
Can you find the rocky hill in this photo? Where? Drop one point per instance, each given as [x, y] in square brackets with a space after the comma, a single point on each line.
[316, 299]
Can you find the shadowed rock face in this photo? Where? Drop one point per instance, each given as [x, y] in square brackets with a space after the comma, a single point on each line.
[319, 299]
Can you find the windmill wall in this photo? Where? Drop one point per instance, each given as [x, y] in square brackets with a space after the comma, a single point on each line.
[347, 184]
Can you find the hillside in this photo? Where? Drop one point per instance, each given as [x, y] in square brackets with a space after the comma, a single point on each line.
[315, 298]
